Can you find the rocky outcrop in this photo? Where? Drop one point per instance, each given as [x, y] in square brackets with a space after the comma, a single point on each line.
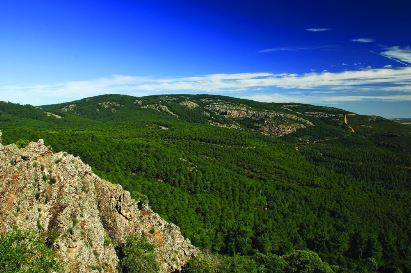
[265, 121]
[273, 129]
[109, 105]
[69, 108]
[160, 108]
[82, 216]
[189, 104]
[236, 111]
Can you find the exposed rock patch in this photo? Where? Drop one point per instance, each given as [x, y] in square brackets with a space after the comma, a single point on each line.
[160, 108]
[189, 104]
[267, 122]
[49, 114]
[110, 105]
[138, 102]
[69, 108]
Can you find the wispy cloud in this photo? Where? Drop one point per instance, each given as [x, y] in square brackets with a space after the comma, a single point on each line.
[372, 84]
[366, 98]
[363, 40]
[286, 48]
[304, 98]
[294, 48]
[277, 97]
[396, 53]
[318, 29]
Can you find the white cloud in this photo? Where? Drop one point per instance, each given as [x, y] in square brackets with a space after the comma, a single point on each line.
[363, 40]
[396, 53]
[276, 97]
[294, 48]
[318, 29]
[366, 98]
[401, 88]
[324, 98]
[286, 48]
[311, 86]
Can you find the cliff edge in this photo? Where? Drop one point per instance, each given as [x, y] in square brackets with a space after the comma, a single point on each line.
[84, 217]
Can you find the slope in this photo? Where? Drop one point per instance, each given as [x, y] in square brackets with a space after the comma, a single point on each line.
[241, 177]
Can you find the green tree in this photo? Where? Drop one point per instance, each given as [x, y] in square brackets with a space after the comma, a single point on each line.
[305, 261]
[270, 263]
[203, 263]
[139, 256]
[21, 143]
[26, 252]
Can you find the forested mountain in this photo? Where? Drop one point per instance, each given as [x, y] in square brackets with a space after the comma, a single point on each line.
[246, 179]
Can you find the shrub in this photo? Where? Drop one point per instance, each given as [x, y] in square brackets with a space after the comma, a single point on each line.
[21, 143]
[238, 264]
[139, 256]
[25, 252]
[305, 261]
[298, 261]
[203, 263]
[270, 263]
[212, 263]
[142, 200]
[107, 240]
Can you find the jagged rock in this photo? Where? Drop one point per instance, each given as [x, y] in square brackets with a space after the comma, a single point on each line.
[60, 197]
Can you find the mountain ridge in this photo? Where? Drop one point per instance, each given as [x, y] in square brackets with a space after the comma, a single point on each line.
[219, 168]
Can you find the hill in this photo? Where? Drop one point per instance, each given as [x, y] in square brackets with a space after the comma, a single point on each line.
[243, 177]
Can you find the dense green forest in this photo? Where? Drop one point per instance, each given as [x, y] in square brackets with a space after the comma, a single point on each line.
[210, 165]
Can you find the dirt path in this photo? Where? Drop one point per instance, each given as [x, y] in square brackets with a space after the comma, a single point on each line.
[346, 122]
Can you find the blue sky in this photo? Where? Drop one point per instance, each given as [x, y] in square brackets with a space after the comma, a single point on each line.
[350, 54]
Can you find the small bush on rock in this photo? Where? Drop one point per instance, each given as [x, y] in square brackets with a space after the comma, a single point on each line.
[25, 252]
[203, 263]
[139, 256]
[21, 143]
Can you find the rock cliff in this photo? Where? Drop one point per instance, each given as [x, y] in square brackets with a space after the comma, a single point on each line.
[83, 217]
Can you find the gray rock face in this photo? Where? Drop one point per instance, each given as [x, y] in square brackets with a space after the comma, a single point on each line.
[267, 122]
[84, 216]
